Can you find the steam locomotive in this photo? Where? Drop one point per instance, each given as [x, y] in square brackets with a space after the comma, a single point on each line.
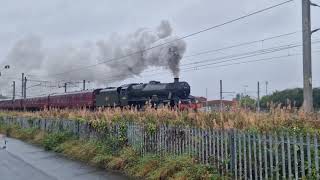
[133, 94]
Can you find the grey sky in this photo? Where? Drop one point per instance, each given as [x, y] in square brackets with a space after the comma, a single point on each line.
[60, 22]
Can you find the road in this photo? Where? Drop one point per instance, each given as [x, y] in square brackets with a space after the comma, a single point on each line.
[21, 161]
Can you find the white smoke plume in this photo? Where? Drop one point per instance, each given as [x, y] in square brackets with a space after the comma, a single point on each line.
[31, 56]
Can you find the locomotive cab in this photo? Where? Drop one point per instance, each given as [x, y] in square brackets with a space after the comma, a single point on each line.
[108, 97]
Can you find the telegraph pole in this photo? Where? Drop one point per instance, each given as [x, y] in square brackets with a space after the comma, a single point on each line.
[65, 87]
[221, 95]
[22, 84]
[13, 90]
[258, 98]
[25, 88]
[307, 67]
[84, 84]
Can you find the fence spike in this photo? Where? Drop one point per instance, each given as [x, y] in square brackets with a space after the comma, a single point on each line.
[309, 155]
[276, 146]
[289, 157]
[265, 156]
[240, 154]
[316, 156]
[260, 156]
[295, 155]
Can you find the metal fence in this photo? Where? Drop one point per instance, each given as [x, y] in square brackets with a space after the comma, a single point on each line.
[243, 155]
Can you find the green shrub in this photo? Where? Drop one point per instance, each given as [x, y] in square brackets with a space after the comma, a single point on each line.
[52, 140]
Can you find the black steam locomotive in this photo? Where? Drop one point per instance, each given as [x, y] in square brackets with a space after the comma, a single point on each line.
[138, 94]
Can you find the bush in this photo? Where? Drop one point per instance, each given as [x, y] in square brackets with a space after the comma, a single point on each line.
[52, 140]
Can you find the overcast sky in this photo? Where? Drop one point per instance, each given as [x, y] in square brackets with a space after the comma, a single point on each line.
[60, 22]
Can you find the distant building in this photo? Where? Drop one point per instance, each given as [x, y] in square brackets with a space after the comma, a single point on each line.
[201, 99]
[214, 105]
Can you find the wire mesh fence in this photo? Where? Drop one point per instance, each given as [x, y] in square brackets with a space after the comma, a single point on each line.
[242, 155]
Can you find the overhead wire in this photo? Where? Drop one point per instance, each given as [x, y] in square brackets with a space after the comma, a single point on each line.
[228, 47]
[178, 39]
[231, 57]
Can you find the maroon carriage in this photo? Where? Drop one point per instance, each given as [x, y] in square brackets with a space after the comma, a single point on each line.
[35, 103]
[82, 99]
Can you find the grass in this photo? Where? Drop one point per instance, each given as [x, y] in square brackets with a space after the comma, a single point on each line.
[276, 119]
[127, 160]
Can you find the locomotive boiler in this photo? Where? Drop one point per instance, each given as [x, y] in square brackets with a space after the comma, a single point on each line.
[138, 94]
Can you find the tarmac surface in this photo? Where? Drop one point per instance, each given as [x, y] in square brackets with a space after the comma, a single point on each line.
[22, 161]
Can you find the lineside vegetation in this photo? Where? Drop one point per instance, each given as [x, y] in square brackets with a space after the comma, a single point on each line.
[277, 118]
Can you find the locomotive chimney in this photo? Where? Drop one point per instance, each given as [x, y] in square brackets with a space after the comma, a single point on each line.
[176, 80]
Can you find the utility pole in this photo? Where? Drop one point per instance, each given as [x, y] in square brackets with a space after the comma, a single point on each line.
[13, 90]
[84, 84]
[307, 67]
[221, 95]
[25, 88]
[65, 87]
[258, 98]
[22, 84]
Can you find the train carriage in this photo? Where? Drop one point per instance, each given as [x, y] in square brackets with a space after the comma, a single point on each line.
[80, 99]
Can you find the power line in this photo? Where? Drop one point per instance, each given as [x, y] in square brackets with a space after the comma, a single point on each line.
[232, 57]
[212, 50]
[235, 63]
[249, 54]
[228, 58]
[178, 39]
[241, 44]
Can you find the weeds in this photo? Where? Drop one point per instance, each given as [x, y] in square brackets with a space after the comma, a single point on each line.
[52, 140]
[276, 118]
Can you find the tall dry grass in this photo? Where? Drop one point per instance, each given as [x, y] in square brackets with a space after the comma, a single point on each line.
[236, 118]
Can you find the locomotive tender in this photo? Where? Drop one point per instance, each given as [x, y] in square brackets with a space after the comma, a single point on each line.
[126, 95]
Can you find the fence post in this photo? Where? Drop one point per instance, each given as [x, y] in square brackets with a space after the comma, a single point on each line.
[303, 174]
[260, 156]
[207, 145]
[276, 146]
[226, 154]
[283, 156]
[189, 141]
[203, 137]
[289, 157]
[309, 155]
[265, 156]
[295, 155]
[210, 145]
[214, 147]
[316, 157]
[218, 148]
[250, 156]
[233, 153]
[255, 156]
[245, 155]
[222, 149]
[271, 155]
[240, 154]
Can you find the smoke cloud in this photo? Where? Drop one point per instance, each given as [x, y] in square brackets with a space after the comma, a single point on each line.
[31, 56]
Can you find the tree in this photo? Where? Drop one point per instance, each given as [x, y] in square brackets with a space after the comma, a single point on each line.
[292, 97]
[247, 102]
